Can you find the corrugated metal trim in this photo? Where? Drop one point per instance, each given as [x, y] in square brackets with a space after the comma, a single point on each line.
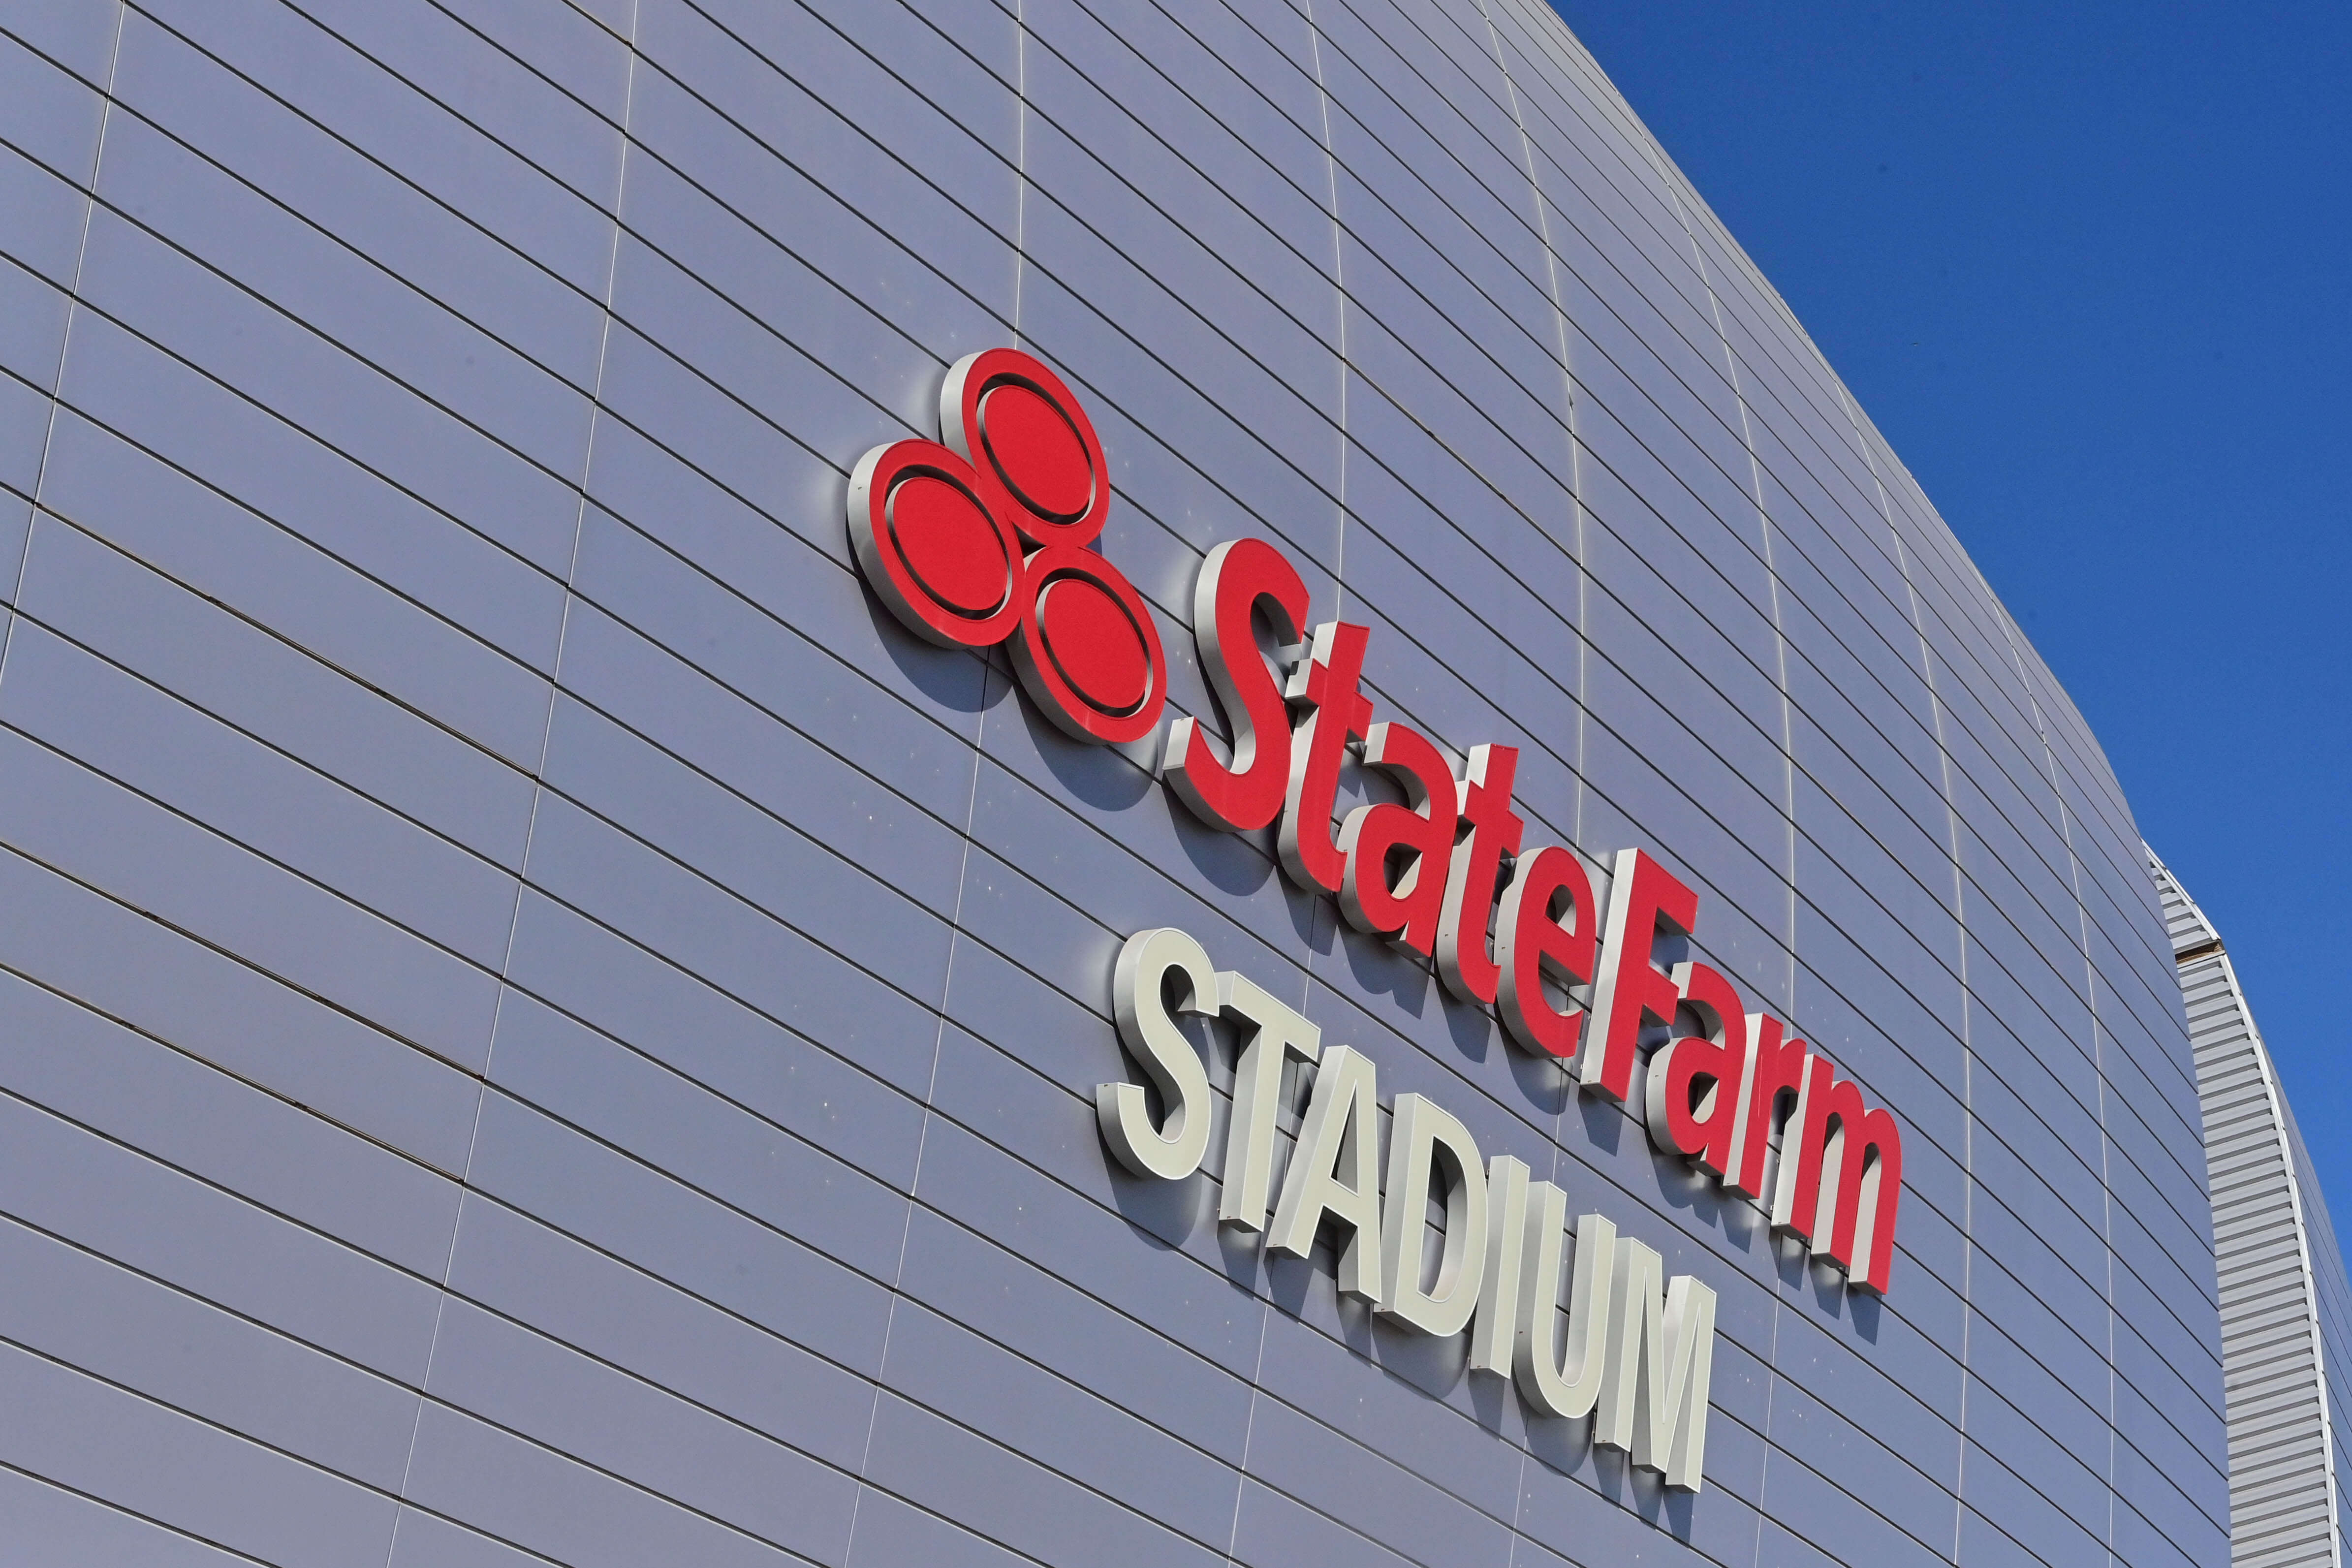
[2185, 924]
[2284, 1502]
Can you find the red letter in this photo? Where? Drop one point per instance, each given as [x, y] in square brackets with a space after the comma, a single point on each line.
[1533, 938]
[1797, 1186]
[1239, 576]
[1422, 831]
[1775, 1067]
[1475, 874]
[1857, 1141]
[1697, 1085]
[1631, 988]
[1326, 683]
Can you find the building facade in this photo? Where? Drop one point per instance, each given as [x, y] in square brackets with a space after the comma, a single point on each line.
[590, 862]
[2287, 1310]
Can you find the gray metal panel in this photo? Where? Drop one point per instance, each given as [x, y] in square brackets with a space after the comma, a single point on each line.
[1024, 1407]
[139, 1456]
[88, 1068]
[172, 986]
[35, 335]
[603, 1198]
[49, 1524]
[79, 1310]
[719, 1149]
[190, 763]
[380, 589]
[626, 1429]
[2333, 1295]
[1009, 1498]
[201, 1239]
[632, 996]
[634, 1320]
[100, 832]
[335, 188]
[536, 1497]
[238, 673]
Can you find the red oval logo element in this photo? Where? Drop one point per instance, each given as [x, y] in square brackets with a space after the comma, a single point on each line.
[1095, 645]
[949, 545]
[1038, 452]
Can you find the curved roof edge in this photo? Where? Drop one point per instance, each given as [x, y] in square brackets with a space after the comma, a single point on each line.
[2286, 1312]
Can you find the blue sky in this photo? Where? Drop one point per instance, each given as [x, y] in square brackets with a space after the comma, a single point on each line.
[2090, 268]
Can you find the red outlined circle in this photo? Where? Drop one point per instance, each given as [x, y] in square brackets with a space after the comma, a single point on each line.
[953, 553]
[1030, 445]
[1087, 633]
[935, 550]
[1036, 451]
[1088, 652]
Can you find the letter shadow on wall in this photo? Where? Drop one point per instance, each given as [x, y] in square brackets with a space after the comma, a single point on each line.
[1793, 1261]
[1166, 1213]
[1304, 1288]
[1381, 968]
[1604, 1120]
[1684, 1187]
[1434, 1366]
[1236, 863]
[1566, 1446]
[964, 680]
[1289, 1280]
[1542, 1078]
[1107, 778]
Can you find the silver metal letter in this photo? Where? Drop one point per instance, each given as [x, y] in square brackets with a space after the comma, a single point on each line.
[1277, 1034]
[1172, 1150]
[1557, 1383]
[1418, 1131]
[1336, 1170]
[1495, 1331]
[1661, 1359]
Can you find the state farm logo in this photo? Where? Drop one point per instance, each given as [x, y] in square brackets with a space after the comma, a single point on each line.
[988, 538]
